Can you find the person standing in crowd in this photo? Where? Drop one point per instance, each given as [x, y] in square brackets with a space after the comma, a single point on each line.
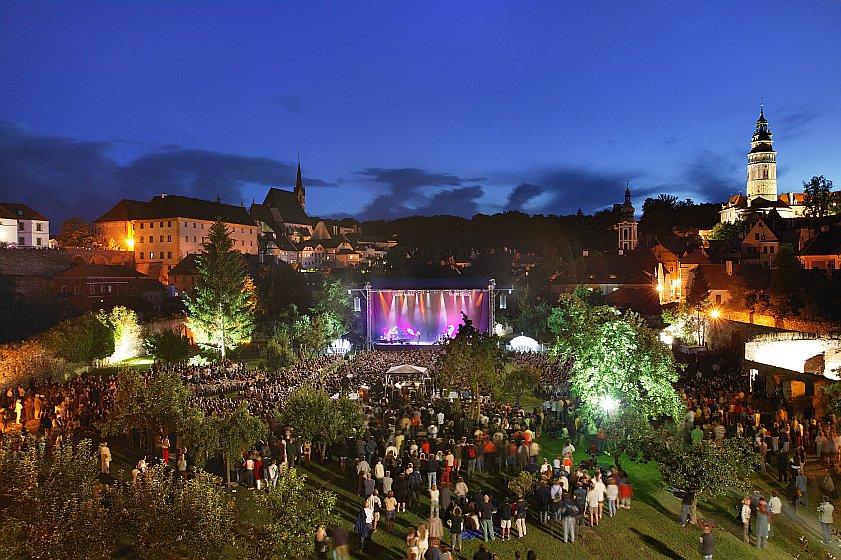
[341, 539]
[321, 545]
[686, 506]
[486, 513]
[456, 523]
[412, 545]
[390, 505]
[763, 523]
[522, 509]
[707, 543]
[825, 511]
[104, 458]
[744, 516]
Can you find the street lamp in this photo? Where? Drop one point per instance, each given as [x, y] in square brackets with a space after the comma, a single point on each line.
[715, 313]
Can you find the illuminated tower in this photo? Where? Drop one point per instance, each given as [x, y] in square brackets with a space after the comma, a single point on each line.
[762, 163]
[299, 189]
[628, 240]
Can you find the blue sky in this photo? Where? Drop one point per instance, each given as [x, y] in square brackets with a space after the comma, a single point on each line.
[411, 108]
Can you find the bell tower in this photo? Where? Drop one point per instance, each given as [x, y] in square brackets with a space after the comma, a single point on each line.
[762, 163]
[628, 239]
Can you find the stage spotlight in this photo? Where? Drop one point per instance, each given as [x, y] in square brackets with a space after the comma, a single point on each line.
[503, 301]
[357, 305]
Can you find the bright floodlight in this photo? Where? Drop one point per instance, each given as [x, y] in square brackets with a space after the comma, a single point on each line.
[715, 313]
[608, 404]
[130, 243]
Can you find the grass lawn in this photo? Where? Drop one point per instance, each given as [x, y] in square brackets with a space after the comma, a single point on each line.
[648, 530]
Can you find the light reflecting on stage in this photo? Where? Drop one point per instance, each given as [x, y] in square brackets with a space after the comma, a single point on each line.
[425, 316]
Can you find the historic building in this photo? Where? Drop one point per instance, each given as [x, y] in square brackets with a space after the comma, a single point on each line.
[761, 189]
[21, 226]
[627, 228]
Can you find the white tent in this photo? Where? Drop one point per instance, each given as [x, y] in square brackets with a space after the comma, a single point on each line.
[524, 344]
[407, 369]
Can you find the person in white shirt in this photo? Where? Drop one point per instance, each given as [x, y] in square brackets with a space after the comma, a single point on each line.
[745, 517]
[568, 448]
[601, 490]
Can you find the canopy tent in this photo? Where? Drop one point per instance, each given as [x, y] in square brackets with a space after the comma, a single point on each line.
[409, 377]
[524, 344]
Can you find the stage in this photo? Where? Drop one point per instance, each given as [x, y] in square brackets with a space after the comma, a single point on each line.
[412, 313]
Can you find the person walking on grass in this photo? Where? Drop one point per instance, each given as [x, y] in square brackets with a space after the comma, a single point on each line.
[825, 511]
[522, 509]
[744, 516]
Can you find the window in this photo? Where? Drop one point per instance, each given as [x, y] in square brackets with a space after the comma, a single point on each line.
[718, 299]
[202, 226]
[38, 241]
[141, 239]
[21, 241]
[187, 238]
[102, 288]
[169, 238]
[162, 224]
[140, 256]
[194, 225]
[756, 237]
[64, 288]
[151, 225]
[152, 255]
[194, 239]
[169, 224]
[772, 249]
[764, 249]
[92, 289]
[109, 288]
[162, 239]
[76, 290]
[39, 227]
[169, 254]
[185, 224]
[20, 226]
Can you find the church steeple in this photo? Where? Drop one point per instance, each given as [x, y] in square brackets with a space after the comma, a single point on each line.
[627, 226]
[299, 191]
[762, 162]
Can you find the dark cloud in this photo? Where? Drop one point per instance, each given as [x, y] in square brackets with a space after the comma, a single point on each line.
[291, 103]
[794, 123]
[522, 194]
[670, 140]
[713, 176]
[566, 189]
[412, 191]
[62, 177]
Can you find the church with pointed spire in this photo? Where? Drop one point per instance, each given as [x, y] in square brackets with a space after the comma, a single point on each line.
[761, 197]
[283, 213]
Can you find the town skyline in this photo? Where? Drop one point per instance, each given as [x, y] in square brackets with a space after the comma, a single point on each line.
[409, 111]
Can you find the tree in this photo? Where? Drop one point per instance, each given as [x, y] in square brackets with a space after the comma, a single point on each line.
[332, 299]
[150, 401]
[698, 299]
[617, 361]
[532, 315]
[706, 468]
[239, 431]
[627, 432]
[200, 433]
[127, 341]
[76, 232]
[311, 412]
[520, 379]
[221, 310]
[293, 513]
[193, 518]
[51, 507]
[279, 354]
[471, 360]
[819, 200]
[730, 230]
[82, 339]
[784, 292]
[167, 346]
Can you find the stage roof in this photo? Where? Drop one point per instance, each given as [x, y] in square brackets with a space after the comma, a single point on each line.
[407, 369]
[460, 283]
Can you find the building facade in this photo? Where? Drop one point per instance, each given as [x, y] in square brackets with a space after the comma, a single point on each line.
[21, 226]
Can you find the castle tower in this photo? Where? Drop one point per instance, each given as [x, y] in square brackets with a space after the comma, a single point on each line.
[628, 239]
[762, 163]
[299, 191]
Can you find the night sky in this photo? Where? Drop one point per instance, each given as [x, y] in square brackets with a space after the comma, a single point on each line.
[411, 108]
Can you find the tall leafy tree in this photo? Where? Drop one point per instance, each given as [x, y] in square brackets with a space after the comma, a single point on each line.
[698, 299]
[819, 199]
[220, 312]
[311, 412]
[167, 346]
[82, 339]
[76, 232]
[617, 361]
[472, 360]
[708, 469]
